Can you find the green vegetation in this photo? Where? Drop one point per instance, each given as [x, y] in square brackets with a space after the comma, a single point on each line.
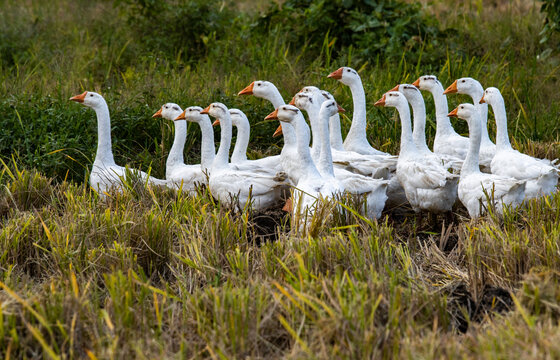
[152, 274]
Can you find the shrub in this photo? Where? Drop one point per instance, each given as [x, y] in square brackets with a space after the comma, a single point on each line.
[372, 28]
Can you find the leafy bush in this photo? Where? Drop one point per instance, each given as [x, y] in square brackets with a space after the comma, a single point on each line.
[372, 28]
[172, 27]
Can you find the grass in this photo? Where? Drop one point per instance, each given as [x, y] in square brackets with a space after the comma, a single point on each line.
[152, 274]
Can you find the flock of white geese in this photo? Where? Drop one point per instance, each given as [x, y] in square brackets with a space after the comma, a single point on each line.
[474, 170]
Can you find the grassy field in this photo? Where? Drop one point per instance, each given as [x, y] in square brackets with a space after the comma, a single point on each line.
[152, 274]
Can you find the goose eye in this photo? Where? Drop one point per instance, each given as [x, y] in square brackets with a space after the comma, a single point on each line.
[91, 95]
[259, 84]
[462, 81]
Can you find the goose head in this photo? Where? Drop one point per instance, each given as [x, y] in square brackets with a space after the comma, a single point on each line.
[464, 111]
[285, 113]
[345, 75]
[392, 99]
[192, 114]
[169, 111]
[427, 82]
[217, 110]
[410, 92]
[238, 117]
[466, 85]
[331, 107]
[259, 88]
[491, 96]
[304, 101]
[90, 99]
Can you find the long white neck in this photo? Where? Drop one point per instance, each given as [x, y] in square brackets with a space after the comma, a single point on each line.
[325, 163]
[207, 150]
[419, 129]
[175, 156]
[482, 109]
[407, 142]
[357, 132]
[335, 132]
[471, 165]
[221, 160]
[104, 151]
[440, 101]
[288, 131]
[303, 138]
[240, 149]
[502, 138]
[313, 113]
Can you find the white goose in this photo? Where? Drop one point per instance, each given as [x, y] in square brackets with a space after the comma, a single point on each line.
[475, 187]
[379, 167]
[175, 167]
[239, 155]
[356, 139]
[105, 173]
[427, 184]
[311, 186]
[446, 141]
[472, 87]
[228, 184]
[374, 190]
[541, 178]
[416, 101]
[289, 154]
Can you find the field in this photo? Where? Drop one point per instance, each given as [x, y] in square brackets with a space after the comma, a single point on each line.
[153, 274]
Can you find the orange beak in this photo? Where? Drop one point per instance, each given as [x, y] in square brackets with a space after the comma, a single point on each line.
[289, 206]
[396, 88]
[217, 122]
[336, 74]
[452, 89]
[158, 113]
[272, 116]
[293, 101]
[79, 98]
[205, 111]
[453, 113]
[380, 102]
[278, 131]
[482, 101]
[417, 83]
[248, 90]
[340, 109]
[183, 116]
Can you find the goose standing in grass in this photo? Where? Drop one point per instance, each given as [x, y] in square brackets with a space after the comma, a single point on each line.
[356, 139]
[311, 186]
[541, 177]
[187, 176]
[289, 154]
[472, 87]
[105, 173]
[237, 187]
[416, 101]
[427, 184]
[374, 190]
[239, 155]
[446, 141]
[475, 187]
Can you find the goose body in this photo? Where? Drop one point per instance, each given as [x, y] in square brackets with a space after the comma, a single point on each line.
[541, 177]
[233, 186]
[477, 188]
[426, 182]
[311, 185]
[472, 88]
[105, 173]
